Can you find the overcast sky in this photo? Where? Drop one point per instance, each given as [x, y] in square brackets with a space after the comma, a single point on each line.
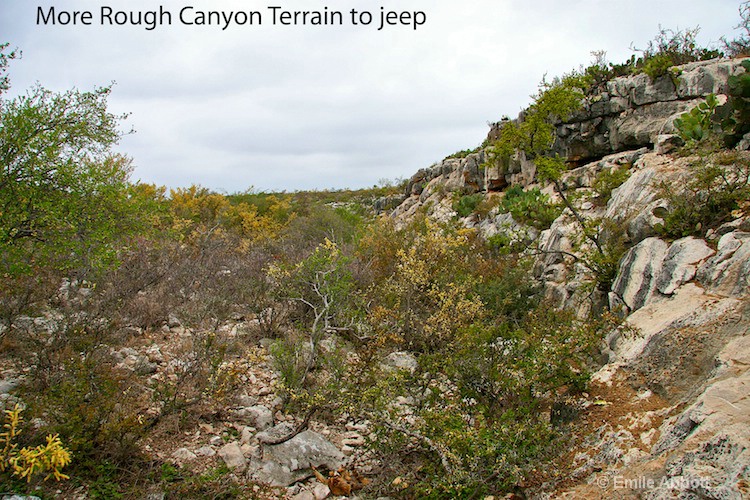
[279, 107]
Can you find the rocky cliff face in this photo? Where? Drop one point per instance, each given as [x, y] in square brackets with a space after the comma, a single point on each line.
[629, 114]
[673, 411]
[632, 111]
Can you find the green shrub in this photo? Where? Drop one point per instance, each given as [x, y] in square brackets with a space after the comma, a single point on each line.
[601, 71]
[489, 202]
[672, 48]
[502, 244]
[291, 360]
[64, 194]
[604, 260]
[508, 290]
[217, 484]
[717, 191]
[530, 207]
[105, 483]
[658, 65]
[463, 153]
[480, 419]
[466, 204]
[607, 181]
[696, 124]
[556, 100]
[738, 123]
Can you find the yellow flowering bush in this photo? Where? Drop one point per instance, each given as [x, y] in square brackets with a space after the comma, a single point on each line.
[49, 458]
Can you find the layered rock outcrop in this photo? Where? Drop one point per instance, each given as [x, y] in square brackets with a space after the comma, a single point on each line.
[632, 111]
[674, 377]
[629, 114]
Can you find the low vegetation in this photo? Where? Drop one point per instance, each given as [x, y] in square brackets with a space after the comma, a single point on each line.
[531, 207]
[91, 261]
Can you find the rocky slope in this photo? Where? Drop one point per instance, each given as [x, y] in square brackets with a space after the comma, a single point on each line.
[669, 411]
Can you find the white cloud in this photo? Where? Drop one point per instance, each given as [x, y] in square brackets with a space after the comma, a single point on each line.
[291, 107]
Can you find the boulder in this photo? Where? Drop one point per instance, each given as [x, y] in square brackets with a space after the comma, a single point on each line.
[184, 455]
[232, 455]
[291, 461]
[257, 416]
[400, 360]
[304, 495]
[8, 385]
[205, 451]
[274, 433]
[173, 321]
[503, 223]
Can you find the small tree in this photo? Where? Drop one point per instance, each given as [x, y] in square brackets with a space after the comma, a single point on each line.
[62, 192]
[322, 284]
[535, 133]
[65, 199]
[5, 58]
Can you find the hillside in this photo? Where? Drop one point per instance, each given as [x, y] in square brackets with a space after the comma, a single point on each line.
[667, 411]
[559, 313]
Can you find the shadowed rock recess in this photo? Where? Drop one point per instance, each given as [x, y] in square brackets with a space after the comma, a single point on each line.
[683, 351]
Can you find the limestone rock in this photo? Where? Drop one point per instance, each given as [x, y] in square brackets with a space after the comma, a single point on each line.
[633, 111]
[8, 385]
[304, 495]
[711, 438]
[246, 400]
[386, 203]
[275, 432]
[705, 77]
[232, 455]
[728, 272]
[291, 461]
[318, 492]
[257, 416]
[651, 266]
[494, 177]
[554, 267]
[634, 201]
[173, 321]
[639, 270]
[666, 143]
[681, 263]
[321, 491]
[154, 354]
[452, 174]
[205, 451]
[400, 360]
[503, 223]
[184, 455]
